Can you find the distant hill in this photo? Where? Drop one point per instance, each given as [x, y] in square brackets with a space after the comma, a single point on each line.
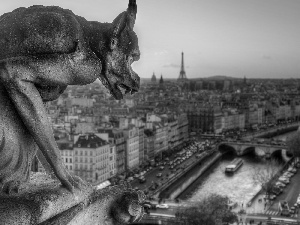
[217, 77]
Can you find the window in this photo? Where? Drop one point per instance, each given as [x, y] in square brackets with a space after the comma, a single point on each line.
[70, 160]
[70, 167]
[66, 160]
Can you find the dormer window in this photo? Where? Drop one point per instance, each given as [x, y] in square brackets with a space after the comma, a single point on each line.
[88, 145]
[79, 145]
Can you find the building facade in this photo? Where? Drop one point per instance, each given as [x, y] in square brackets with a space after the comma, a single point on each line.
[91, 158]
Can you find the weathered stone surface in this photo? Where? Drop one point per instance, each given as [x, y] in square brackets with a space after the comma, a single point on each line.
[43, 201]
[43, 49]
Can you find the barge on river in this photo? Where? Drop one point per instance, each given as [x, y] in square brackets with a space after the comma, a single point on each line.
[234, 165]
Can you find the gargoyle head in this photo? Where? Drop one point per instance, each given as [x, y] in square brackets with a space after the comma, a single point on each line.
[122, 51]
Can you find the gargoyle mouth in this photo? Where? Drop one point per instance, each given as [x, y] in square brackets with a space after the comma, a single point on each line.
[118, 89]
[120, 79]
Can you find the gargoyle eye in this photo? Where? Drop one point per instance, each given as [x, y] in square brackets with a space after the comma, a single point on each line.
[113, 43]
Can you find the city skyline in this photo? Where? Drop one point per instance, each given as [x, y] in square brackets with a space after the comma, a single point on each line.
[256, 39]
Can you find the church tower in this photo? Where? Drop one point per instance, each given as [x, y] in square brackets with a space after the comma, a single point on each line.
[161, 81]
[153, 79]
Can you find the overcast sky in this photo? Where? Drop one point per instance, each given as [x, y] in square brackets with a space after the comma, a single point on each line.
[252, 38]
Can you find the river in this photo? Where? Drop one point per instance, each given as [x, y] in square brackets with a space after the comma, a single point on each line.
[239, 187]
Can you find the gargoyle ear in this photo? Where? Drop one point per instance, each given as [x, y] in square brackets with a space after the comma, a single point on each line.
[126, 18]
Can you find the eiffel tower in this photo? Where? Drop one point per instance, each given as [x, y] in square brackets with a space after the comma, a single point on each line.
[182, 77]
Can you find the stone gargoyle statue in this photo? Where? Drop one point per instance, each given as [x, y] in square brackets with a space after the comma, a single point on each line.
[43, 49]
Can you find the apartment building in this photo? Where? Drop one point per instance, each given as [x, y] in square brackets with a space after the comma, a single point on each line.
[91, 158]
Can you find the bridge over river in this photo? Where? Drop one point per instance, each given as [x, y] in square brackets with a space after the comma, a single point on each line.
[242, 148]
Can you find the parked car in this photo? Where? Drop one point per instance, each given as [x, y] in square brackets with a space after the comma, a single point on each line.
[271, 197]
[159, 174]
[285, 212]
[149, 205]
[161, 168]
[287, 174]
[292, 170]
[129, 179]
[142, 180]
[277, 190]
[162, 206]
[284, 180]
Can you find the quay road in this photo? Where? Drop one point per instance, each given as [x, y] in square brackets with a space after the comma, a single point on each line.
[290, 194]
[274, 129]
[167, 174]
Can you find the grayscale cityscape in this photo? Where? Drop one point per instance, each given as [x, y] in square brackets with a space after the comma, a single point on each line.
[212, 136]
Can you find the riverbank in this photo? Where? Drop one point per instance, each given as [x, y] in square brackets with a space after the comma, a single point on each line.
[173, 191]
[276, 131]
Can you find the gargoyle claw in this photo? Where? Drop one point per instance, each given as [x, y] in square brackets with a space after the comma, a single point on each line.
[11, 186]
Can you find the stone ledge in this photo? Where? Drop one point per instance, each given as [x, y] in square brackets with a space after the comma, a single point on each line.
[43, 201]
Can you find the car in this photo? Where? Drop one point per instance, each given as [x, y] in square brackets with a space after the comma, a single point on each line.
[287, 174]
[136, 175]
[292, 210]
[285, 212]
[142, 180]
[159, 174]
[280, 184]
[129, 179]
[162, 206]
[161, 168]
[276, 190]
[149, 205]
[292, 170]
[284, 180]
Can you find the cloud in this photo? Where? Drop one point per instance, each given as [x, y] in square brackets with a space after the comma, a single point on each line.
[171, 65]
[163, 52]
[267, 57]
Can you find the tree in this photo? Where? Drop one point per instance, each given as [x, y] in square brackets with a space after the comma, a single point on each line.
[212, 210]
[293, 144]
[265, 176]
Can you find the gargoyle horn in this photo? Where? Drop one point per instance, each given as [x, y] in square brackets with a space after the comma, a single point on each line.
[125, 18]
[132, 8]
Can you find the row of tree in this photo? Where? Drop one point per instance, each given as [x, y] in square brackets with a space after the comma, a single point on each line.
[212, 210]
